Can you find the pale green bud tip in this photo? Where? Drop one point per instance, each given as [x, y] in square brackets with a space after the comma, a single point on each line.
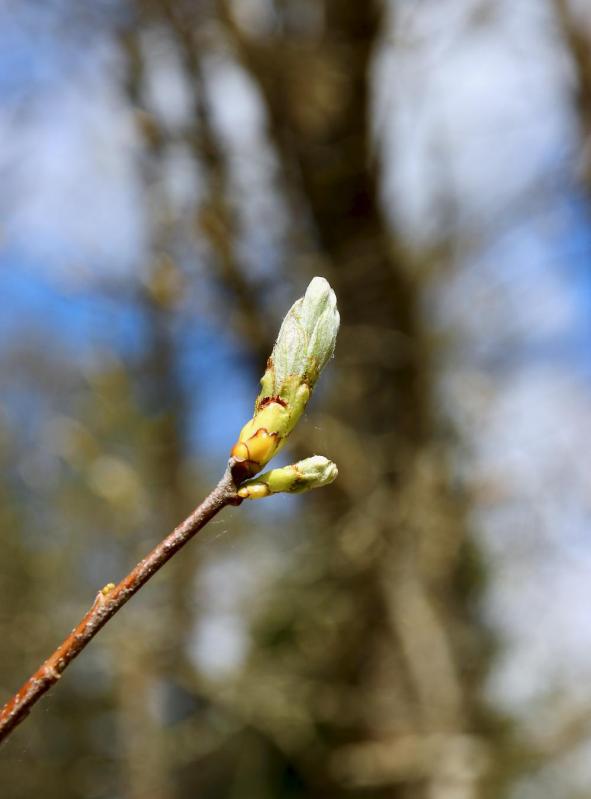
[317, 471]
[305, 343]
[307, 337]
[313, 472]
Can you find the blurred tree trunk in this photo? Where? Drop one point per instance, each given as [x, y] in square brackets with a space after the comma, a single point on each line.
[576, 30]
[408, 659]
[154, 665]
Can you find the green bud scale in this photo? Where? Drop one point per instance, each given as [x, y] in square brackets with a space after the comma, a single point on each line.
[305, 344]
[313, 472]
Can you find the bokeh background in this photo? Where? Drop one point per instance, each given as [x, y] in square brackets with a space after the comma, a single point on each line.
[172, 175]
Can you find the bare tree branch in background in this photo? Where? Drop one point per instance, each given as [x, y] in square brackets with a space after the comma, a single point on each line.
[215, 217]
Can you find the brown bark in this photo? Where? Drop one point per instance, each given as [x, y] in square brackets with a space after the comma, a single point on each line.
[109, 602]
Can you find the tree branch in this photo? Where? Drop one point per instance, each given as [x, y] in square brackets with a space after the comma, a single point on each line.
[110, 600]
[305, 344]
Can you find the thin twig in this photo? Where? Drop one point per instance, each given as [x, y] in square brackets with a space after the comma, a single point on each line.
[109, 601]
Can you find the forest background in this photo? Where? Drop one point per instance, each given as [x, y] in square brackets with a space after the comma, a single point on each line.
[173, 174]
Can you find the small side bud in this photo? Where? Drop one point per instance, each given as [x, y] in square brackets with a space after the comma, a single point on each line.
[313, 472]
[305, 344]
